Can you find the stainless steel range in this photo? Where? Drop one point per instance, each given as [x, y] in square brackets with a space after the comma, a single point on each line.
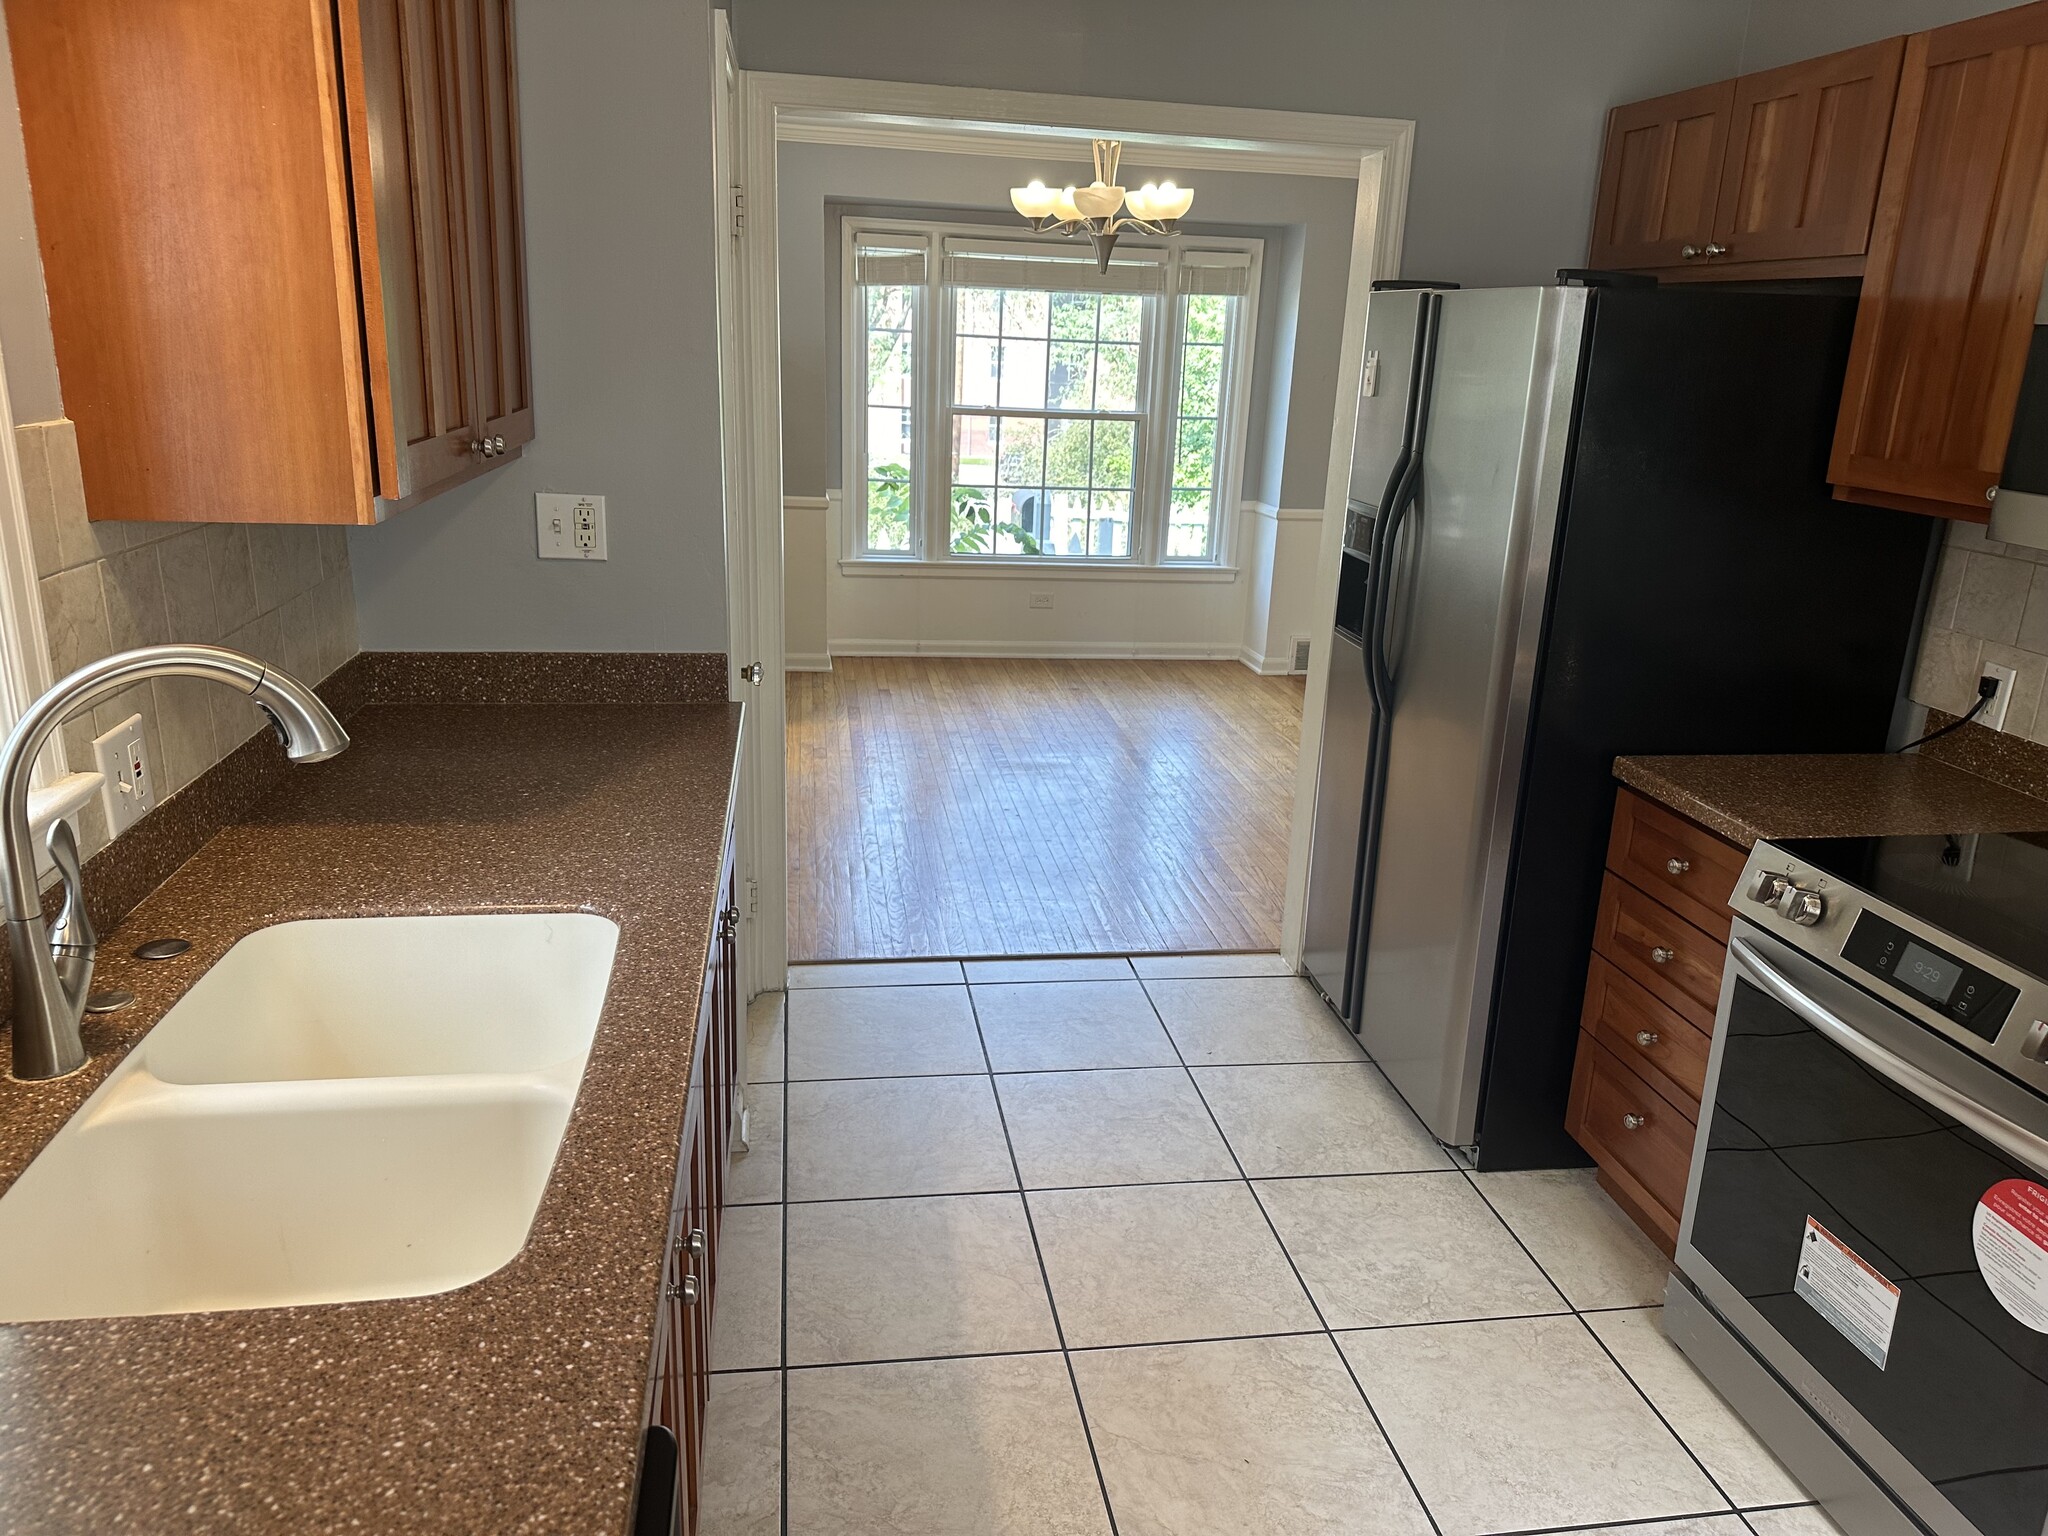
[1863, 1263]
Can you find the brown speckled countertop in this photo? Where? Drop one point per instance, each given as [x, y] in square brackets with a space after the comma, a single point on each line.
[510, 1405]
[1749, 798]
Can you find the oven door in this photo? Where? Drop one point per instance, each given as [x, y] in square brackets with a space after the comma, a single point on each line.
[1831, 1222]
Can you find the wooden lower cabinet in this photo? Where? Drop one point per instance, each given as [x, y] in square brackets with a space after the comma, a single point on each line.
[680, 1374]
[1651, 987]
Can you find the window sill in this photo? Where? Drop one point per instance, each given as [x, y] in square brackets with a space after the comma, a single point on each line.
[1038, 569]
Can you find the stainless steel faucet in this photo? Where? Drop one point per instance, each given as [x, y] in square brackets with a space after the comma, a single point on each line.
[53, 962]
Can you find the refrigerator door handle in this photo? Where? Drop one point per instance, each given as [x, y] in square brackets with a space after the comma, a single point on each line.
[1397, 479]
[1386, 534]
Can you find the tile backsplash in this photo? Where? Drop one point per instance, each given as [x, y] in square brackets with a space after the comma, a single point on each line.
[1990, 604]
[281, 592]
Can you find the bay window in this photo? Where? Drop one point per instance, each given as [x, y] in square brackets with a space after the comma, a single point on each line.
[1010, 402]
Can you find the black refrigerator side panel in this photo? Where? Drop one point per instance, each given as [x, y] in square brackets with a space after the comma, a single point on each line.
[1709, 595]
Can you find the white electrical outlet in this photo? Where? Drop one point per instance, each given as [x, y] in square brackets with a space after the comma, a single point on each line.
[1993, 714]
[570, 527]
[1041, 599]
[128, 786]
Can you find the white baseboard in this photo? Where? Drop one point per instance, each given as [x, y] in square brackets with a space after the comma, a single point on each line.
[1062, 650]
[806, 661]
[1268, 666]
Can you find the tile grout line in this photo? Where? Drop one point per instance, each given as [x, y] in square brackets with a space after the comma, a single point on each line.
[1044, 1276]
[1358, 1386]
[1578, 1314]
[1052, 1189]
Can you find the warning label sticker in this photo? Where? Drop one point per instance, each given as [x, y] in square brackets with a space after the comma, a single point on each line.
[1849, 1293]
[2010, 1233]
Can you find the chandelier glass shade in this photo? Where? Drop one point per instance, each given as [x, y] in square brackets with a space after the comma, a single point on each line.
[1103, 209]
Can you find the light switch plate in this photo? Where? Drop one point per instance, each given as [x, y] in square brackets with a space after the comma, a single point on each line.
[128, 787]
[570, 527]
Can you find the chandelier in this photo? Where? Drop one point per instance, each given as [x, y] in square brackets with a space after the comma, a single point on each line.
[1103, 210]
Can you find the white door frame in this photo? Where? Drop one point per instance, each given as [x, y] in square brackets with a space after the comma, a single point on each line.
[953, 119]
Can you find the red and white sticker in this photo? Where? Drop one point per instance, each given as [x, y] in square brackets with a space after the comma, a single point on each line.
[2010, 1233]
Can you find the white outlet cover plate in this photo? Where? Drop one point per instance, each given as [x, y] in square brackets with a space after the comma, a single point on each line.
[569, 527]
[128, 778]
[1994, 712]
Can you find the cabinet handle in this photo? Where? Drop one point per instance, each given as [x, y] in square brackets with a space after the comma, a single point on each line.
[1691, 252]
[685, 1291]
[728, 922]
[691, 1242]
[1646, 1038]
[1663, 956]
[497, 445]
[753, 673]
[1677, 866]
[1634, 1122]
[1712, 250]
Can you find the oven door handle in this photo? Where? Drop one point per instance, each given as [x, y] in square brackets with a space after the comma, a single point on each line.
[2015, 1141]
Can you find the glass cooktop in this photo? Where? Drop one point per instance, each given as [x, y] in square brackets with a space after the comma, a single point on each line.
[1987, 889]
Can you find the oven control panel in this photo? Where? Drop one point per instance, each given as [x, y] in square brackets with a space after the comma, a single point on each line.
[1970, 996]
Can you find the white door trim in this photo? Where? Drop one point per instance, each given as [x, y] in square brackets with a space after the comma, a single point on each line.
[814, 109]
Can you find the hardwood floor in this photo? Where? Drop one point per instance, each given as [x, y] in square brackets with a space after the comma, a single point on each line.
[945, 807]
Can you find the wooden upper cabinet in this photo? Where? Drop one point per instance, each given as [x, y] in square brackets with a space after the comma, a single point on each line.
[283, 249]
[1780, 167]
[1805, 150]
[1954, 274]
[1660, 178]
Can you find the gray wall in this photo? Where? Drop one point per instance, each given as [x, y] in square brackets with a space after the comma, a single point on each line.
[1786, 31]
[1509, 95]
[615, 97]
[1304, 220]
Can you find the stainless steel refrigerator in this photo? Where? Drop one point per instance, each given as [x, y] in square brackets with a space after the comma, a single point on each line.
[1589, 521]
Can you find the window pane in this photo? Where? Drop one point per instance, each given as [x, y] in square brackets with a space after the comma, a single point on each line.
[1024, 313]
[1073, 316]
[1069, 524]
[1023, 372]
[1116, 378]
[974, 452]
[1067, 453]
[1071, 383]
[1208, 317]
[973, 520]
[1113, 441]
[1201, 381]
[1121, 315]
[888, 437]
[974, 371]
[888, 367]
[1194, 462]
[889, 308]
[1022, 460]
[1110, 533]
[979, 312]
[1187, 530]
[889, 508]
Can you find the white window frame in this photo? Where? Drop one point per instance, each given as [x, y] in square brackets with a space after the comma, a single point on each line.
[932, 410]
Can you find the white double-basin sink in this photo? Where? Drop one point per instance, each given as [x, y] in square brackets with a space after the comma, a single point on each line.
[344, 1109]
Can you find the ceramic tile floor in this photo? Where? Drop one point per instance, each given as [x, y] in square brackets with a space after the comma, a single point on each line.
[1031, 1249]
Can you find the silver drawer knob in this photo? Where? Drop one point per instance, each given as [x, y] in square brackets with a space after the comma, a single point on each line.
[1677, 866]
[692, 1243]
[1646, 1038]
[685, 1291]
[1662, 955]
[1633, 1122]
[497, 445]
[1691, 252]
[1714, 249]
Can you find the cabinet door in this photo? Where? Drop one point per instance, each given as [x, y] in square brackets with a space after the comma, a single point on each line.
[486, 88]
[1805, 149]
[412, 244]
[1659, 178]
[1954, 270]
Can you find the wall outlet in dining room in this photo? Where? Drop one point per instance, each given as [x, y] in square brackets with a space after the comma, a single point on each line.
[1041, 599]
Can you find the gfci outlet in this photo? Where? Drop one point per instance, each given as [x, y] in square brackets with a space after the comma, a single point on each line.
[1994, 712]
[1041, 599]
[571, 527]
[128, 781]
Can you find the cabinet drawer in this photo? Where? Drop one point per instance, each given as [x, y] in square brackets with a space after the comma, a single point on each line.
[1680, 862]
[1652, 945]
[1642, 1141]
[1659, 1043]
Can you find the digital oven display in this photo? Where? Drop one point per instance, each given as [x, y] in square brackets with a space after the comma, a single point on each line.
[1965, 994]
[1931, 975]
